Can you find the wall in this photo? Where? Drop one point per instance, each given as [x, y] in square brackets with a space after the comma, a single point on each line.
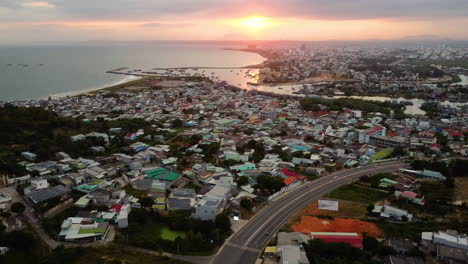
[58, 208]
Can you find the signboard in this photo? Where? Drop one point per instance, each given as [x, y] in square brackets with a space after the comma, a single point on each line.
[329, 205]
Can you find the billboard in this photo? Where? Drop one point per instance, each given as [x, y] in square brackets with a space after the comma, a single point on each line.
[329, 205]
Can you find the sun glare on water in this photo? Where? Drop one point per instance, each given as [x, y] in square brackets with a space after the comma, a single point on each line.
[255, 22]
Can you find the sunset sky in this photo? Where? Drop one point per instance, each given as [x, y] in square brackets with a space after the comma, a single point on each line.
[26, 21]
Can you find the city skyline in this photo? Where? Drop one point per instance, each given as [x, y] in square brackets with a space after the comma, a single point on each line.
[23, 21]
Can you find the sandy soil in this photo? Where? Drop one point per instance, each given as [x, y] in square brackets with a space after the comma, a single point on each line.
[313, 224]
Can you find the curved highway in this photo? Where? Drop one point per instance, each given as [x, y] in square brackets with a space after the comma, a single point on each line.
[246, 245]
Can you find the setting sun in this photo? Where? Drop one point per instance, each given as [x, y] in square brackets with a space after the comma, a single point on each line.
[255, 22]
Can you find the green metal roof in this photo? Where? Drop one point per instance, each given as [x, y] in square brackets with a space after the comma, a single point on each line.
[83, 201]
[92, 231]
[161, 174]
[226, 121]
[155, 170]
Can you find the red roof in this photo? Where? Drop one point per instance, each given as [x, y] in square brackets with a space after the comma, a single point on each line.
[358, 124]
[374, 130]
[301, 177]
[129, 135]
[456, 134]
[291, 176]
[289, 180]
[354, 241]
[438, 146]
[116, 208]
[289, 173]
[321, 113]
[409, 194]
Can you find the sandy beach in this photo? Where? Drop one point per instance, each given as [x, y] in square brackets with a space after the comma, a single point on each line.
[126, 79]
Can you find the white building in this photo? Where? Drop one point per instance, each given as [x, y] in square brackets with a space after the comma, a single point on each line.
[4, 199]
[269, 114]
[450, 238]
[208, 209]
[212, 203]
[37, 184]
[392, 212]
[122, 217]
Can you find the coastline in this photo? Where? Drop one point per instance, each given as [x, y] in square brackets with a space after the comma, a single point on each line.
[265, 54]
[130, 77]
[126, 79]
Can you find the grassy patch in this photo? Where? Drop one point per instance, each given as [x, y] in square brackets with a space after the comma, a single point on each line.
[171, 235]
[119, 87]
[162, 231]
[359, 194]
[382, 154]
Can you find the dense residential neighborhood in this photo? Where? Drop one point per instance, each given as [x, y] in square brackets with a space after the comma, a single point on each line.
[182, 170]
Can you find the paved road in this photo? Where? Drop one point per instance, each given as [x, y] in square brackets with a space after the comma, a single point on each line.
[246, 245]
[36, 224]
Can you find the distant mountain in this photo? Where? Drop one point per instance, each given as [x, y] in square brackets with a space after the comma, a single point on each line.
[424, 38]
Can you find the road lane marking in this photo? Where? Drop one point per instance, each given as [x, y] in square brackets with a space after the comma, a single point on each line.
[316, 187]
[244, 248]
[287, 210]
[324, 180]
[239, 236]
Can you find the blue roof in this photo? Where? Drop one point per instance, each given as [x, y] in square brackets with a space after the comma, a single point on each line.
[432, 174]
[299, 148]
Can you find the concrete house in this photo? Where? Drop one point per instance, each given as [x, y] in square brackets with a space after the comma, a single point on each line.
[391, 212]
[212, 203]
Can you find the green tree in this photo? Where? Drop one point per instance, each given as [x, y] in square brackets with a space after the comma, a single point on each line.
[2, 229]
[223, 222]
[243, 180]
[147, 202]
[269, 183]
[177, 123]
[18, 208]
[245, 203]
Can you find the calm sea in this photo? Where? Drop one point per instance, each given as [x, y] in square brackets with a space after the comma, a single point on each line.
[58, 70]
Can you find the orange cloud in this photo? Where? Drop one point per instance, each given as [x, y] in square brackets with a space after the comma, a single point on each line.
[38, 4]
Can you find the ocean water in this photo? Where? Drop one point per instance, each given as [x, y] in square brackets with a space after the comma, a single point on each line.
[60, 70]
